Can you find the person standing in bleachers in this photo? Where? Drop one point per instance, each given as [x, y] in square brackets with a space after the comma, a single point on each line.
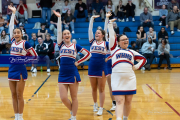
[69, 21]
[65, 8]
[172, 4]
[146, 19]
[53, 21]
[163, 52]
[46, 9]
[97, 8]
[147, 51]
[42, 32]
[22, 11]
[172, 20]
[163, 13]
[152, 34]
[121, 10]
[50, 44]
[9, 12]
[110, 8]
[81, 10]
[116, 28]
[141, 36]
[162, 35]
[130, 10]
[4, 40]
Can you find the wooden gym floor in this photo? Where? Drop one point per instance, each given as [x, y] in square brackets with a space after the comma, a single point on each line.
[157, 98]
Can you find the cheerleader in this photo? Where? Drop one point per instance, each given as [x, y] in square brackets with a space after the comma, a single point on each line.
[123, 79]
[109, 63]
[97, 66]
[17, 73]
[68, 74]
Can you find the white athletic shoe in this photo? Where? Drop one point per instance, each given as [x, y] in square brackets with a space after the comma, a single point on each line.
[95, 107]
[127, 19]
[178, 30]
[48, 70]
[118, 118]
[160, 23]
[100, 112]
[73, 32]
[73, 118]
[113, 107]
[133, 19]
[122, 20]
[172, 32]
[119, 20]
[34, 70]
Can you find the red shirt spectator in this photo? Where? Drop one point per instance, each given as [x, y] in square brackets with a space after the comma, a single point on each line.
[21, 9]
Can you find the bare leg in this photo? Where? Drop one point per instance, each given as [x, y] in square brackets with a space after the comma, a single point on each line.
[120, 99]
[73, 92]
[12, 85]
[110, 89]
[93, 81]
[63, 90]
[127, 105]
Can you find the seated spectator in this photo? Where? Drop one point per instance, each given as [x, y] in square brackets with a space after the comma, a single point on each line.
[130, 10]
[97, 9]
[9, 12]
[152, 34]
[65, 8]
[69, 21]
[42, 51]
[33, 41]
[4, 40]
[81, 10]
[25, 35]
[141, 37]
[116, 28]
[110, 8]
[2, 21]
[53, 21]
[50, 44]
[162, 35]
[133, 46]
[172, 20]
[163, 52]
[121, 10]
[42, 32]
[172, 4]
[46, 9]
[147, 51]
[162, 14]
[146, 18]
[21, 11]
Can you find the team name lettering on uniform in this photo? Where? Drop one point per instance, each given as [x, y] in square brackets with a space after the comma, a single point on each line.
[16, 49]
[97, 48]
[123, 55]
[68, 51]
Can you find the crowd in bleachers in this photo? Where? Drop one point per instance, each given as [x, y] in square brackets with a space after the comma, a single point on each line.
[147, 42]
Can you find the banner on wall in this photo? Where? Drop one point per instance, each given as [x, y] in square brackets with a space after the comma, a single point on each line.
[89, 3]
[158, 3]
[5, 4]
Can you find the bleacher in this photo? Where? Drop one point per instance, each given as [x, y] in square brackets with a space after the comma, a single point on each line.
[81, 35]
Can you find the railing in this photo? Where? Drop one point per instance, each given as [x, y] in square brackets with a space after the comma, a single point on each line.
[148, 5]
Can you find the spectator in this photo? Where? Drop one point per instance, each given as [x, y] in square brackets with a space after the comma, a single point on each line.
[46, 9]
[147, 51]
[116, 28]
[41, 50]
[110, 8]
[130, 10]
[172, 20]
[53, 21]
[69, 21]
[50, 44]
[141, 37]
[33, 41]
[152, 34]
[146, 18]
[9, 12]
[4, 40]
[81, 10]
[163, 52]
[172, 4]
[42, 32]
[121, 10]
[162, 35]
[97, 9]
[2, 21]
[21, 11]
[25, 35]
[163, 13]
[133, 46]
[65, 8]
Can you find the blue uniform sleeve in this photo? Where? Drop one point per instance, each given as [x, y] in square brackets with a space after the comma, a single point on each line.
[60, 45]
[78, 47]
[107, 45]
[27, 45]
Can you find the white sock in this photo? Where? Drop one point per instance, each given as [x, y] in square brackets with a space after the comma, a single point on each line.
[118, 118]
[16, 115]
[20, 115]
[73, 117]
[100, 108]
[125, 117]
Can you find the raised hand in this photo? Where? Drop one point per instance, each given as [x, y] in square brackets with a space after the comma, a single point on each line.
[108, 14]
[13, 9]
[57, 13]
[95, 16]
[112, 20]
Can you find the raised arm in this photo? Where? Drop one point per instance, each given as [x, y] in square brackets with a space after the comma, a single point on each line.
[106, 24]
[11, 25]
[140, 59]
[112, 41]
[59, 28]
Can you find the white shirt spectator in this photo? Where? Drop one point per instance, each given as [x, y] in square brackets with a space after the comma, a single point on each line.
[65, 8]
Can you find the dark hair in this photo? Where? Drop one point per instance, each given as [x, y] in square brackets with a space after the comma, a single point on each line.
[11, 2]
[132, 42]
[20, 30]
[165, 41]
[66, 15]
[103, 33]
[66, 0]
[43, 24]
[140, 27]
[164, 5]
[1, 14]
[2, 34]
[33, 33]
[152, 28]
[111, 2]
[162, 27]
[118, 38]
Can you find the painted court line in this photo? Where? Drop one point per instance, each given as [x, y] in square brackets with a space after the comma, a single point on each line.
[154, 91]
[173, 109]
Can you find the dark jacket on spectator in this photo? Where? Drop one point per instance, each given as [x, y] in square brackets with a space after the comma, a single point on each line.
[97, 6]
[162, 35]
[80, 7]
[50, 45]
[46, 3]
[132, 7]
[116, 30]
[40, 49]
[171, 5]
[172, 17]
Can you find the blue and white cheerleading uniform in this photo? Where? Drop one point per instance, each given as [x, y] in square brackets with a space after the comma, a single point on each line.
[123, 78]
[109, 63]
[18, 49]
[68, 71]
[97, 62]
